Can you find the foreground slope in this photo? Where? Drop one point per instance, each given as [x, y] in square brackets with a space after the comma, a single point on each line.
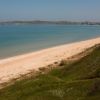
[77, 81]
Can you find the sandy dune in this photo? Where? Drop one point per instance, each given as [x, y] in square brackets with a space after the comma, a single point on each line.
[14, 66]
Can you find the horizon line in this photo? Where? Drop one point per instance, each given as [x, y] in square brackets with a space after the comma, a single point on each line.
[48, 21]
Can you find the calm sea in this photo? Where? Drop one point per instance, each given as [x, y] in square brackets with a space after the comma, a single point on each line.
[20, 39]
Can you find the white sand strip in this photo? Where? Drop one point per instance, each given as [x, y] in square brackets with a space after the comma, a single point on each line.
[22, 64]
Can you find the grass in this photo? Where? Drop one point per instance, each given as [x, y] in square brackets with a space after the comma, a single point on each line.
[76, 81]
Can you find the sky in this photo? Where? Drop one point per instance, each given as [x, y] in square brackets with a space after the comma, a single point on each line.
[71, 10]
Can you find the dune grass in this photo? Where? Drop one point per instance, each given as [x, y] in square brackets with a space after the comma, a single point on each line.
[77, 81]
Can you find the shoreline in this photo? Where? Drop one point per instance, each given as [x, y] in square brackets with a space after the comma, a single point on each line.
[12, 67]
[44, 48]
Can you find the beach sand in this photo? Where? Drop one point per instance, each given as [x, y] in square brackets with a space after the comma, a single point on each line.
[15, 66]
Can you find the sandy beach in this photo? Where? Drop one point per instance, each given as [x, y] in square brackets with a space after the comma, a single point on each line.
[15, 66]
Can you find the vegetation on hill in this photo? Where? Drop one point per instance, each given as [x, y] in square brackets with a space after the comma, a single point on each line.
[76, 81]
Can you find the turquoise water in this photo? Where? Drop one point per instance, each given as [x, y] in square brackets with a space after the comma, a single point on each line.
[20, 39]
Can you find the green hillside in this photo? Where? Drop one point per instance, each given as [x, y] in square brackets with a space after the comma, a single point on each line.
[77, 81]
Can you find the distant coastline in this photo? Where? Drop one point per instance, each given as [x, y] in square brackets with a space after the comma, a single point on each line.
[50, 22]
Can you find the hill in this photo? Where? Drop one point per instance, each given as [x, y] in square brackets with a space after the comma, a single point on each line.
[79, 80]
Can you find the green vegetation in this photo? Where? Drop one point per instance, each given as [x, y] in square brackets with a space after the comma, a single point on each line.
[77, 81]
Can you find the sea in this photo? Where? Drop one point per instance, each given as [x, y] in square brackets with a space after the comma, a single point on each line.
[17, 39]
